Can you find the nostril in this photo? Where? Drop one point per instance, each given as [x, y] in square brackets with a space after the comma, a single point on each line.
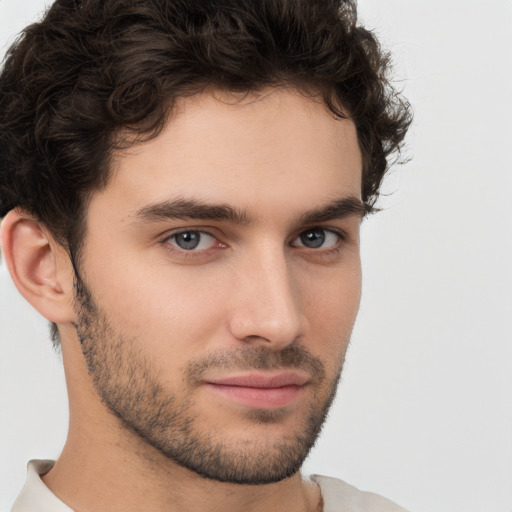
[279, 328]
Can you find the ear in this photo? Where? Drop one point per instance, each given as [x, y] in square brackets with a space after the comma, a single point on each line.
[39, 266]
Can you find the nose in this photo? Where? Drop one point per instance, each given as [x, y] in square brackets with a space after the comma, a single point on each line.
[266, 309]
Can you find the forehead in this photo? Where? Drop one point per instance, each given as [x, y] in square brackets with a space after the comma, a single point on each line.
[274, 146]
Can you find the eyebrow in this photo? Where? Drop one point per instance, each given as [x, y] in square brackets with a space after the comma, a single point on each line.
[185, 209]
[337, 209]
[192, 209]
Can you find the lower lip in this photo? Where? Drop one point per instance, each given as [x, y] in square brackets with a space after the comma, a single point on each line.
[259, 398]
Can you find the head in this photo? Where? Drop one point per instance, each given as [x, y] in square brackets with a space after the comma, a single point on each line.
[202, 167]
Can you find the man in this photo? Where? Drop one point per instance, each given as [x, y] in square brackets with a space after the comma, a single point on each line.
[182, 184]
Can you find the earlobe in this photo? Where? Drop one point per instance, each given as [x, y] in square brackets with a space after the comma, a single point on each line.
[38, 266]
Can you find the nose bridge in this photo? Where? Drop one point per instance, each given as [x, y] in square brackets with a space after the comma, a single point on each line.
[268, 307]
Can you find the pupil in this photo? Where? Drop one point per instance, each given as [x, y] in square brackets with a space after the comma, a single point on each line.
[313, 238]
[188, 240]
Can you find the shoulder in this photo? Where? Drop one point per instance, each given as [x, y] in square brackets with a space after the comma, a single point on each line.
[339, 496]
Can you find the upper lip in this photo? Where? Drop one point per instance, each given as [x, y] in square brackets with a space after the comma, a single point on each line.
[261, 380]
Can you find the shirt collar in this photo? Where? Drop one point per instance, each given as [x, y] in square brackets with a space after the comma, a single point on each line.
[35, 495]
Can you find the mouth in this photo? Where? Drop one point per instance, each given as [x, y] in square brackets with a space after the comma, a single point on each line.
[259, 390]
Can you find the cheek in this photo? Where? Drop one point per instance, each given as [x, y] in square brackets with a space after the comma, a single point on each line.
[173, 313]
[169, 313]
[332, 308]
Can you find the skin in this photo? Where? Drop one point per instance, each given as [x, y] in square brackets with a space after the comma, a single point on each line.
[251, 287]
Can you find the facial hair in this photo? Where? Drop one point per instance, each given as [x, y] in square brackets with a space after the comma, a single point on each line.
[128, 383]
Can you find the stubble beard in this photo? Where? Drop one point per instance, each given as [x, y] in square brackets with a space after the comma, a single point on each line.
[127, 383]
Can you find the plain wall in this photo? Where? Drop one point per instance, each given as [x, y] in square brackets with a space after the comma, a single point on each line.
[424, 413]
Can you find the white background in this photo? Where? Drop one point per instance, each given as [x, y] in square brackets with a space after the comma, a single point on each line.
[424, 415]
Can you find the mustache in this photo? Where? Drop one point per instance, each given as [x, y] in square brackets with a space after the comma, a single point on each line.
[294, 357]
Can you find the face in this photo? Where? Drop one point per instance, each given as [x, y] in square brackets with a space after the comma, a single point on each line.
[220, 280]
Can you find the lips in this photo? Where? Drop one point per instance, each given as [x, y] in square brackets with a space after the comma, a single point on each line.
[260, 391]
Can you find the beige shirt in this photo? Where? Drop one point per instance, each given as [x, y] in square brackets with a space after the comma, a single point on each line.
[337, 495]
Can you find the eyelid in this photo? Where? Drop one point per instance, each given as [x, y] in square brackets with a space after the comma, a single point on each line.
[340, 233]
[189, 229]
[218, 244]
[172, 246]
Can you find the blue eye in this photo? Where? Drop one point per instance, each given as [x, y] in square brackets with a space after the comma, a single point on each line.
[317, 238]
[192, 240]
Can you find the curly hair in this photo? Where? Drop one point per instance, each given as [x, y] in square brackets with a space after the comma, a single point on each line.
[91, 70]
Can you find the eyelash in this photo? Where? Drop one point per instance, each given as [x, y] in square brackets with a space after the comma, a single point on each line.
[336, 247]
[341, 237]
[191, 253]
